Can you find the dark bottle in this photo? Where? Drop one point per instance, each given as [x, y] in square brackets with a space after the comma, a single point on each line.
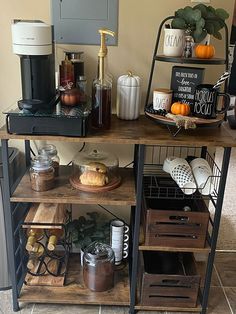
[101, 105]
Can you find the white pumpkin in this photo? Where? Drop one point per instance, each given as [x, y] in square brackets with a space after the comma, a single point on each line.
[128, 97]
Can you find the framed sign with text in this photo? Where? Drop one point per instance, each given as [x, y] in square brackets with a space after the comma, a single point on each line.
[184, 81]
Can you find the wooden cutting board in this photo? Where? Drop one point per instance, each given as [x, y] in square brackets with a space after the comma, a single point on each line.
[45, 214]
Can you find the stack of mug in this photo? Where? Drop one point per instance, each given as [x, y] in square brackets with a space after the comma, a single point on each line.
[119, 239]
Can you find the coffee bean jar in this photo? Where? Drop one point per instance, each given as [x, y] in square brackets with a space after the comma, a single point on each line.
[98, 267]
[51, 151]
[42, 173]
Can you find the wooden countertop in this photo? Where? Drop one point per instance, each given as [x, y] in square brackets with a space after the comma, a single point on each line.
[143, 131]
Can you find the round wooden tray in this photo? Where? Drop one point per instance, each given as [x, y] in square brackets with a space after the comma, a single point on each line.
[198, 121]
[113, 183]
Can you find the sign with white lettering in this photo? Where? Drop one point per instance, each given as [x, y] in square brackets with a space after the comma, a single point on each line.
[184, 81]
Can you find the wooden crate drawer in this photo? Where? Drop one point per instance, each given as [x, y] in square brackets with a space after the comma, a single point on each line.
[167, 224]
[160, 289]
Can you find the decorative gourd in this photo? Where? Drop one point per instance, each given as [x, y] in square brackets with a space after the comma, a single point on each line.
[128, 97]
[180, 108]
[204, 51]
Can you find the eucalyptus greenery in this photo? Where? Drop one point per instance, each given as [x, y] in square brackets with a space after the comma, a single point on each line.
[200, 20]
[93, 226]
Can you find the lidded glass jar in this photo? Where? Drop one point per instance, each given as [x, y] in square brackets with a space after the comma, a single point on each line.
[51, 151]
[98, 267]
[95, 168]
[42, 173]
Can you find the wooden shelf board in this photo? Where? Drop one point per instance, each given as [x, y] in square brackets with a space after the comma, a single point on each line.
[64, 193]
[48, 215]
[141, 131]
[206, 249]
[74, 291]
[169, 309]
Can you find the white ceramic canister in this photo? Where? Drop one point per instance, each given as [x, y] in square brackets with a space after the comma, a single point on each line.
[173, 42]
[128, 97]
[162, 99]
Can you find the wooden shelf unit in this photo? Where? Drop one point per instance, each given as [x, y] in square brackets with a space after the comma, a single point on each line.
[139, 133]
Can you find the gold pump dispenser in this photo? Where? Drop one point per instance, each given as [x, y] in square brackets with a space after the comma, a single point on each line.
[101, 90]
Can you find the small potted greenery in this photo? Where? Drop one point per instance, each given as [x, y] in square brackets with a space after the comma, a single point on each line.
[200, 20]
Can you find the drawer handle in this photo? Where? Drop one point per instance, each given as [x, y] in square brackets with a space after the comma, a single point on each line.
[168, 296]
[181, 218]
[170, 281]
[179, 224]
[170, 284]
[190, 236]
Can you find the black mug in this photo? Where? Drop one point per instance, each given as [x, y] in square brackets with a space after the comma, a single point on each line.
[205, 102]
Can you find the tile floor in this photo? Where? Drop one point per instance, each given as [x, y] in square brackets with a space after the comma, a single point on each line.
[222, 299]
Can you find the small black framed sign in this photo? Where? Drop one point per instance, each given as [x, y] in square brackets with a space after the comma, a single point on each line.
[184, 81]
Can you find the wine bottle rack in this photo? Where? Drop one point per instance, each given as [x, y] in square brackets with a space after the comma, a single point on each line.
[50, 267]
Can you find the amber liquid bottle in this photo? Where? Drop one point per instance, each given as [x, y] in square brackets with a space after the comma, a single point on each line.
[101, 105]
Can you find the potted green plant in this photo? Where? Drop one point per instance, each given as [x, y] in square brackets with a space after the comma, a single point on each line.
[200, 20]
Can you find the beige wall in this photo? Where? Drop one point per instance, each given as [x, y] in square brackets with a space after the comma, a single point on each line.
[138, 24]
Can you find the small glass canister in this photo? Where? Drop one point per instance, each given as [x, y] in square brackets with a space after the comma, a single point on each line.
[98, 267]
[42, 174]
[51, 151]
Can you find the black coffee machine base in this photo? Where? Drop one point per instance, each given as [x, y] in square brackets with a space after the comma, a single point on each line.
[61, 126]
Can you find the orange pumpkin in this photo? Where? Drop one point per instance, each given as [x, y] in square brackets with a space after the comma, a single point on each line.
[205, 51]
[180, 108]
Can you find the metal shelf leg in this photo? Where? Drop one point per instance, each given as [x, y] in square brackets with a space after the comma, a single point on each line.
[139, 162]
[9, 224]
[218, 209]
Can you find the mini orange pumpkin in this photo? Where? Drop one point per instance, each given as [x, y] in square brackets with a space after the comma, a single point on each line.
[180, 108]
[205, 51]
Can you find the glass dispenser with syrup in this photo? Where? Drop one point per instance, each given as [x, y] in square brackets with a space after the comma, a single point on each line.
[101, 89]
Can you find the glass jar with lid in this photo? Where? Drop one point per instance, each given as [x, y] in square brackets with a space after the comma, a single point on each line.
[42, 173]
[51, 151]
[98, 267]
[96, 168]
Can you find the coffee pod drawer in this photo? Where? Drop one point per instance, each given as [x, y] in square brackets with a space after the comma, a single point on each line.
[175, 223]
[168, 279]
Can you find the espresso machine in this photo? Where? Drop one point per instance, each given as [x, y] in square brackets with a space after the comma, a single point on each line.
[40, 110]
[32, 41]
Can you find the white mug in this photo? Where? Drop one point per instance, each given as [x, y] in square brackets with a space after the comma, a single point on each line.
[119, 239]
[173, 42]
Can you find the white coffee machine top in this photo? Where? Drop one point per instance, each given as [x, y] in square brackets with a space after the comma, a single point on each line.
[31, 37]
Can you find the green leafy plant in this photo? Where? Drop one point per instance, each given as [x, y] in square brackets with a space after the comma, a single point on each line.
[93, 226]
[200, 20]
